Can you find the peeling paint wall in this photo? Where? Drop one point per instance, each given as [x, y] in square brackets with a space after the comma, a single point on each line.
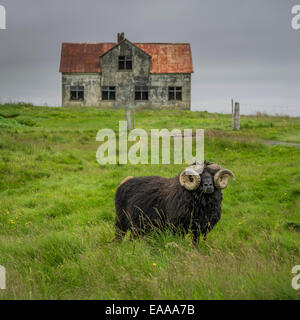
[158, 94]
[91, 83]
[126, 80]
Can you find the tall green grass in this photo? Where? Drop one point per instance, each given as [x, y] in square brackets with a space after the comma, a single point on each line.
[57, 211]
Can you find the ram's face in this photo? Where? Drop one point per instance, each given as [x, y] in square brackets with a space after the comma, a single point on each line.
[205, 177]
[207, 182]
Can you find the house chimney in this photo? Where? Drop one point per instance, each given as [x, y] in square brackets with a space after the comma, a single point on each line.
[121, 37]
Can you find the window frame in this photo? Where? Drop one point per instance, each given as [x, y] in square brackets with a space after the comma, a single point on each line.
[127, 60]
[79, 90]
[174, 90]
[110, 92]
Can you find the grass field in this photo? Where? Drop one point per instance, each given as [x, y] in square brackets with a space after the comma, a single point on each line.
[57, 210]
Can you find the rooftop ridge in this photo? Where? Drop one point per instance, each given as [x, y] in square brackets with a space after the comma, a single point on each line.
[162, 42]
[166, 57]
[87, 42]
[173, 43]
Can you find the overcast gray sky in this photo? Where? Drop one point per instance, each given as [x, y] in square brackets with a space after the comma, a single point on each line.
[246, 50]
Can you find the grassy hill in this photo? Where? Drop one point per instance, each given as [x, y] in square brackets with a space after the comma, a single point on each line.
[57, 210]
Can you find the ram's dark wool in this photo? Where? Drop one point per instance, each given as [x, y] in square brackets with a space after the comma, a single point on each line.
[188, 202]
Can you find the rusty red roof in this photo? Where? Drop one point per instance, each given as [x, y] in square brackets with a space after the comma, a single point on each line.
[165, 57]
[82, 57]
[169, 57]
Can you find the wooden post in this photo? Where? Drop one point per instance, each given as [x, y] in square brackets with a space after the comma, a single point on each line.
[128, 118]
[133, 119]
[236, 117]
[232, 113]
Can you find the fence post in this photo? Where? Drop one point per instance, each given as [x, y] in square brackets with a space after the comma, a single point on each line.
[236, 117]
[128, 118]
[232, 112]
[133, 118]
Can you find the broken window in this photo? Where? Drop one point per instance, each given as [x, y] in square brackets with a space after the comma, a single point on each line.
[141, 93]
[109, 93]
[175, 93]
[125, 63]
[77, 93]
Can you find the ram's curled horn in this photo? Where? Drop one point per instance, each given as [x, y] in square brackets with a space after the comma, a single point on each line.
[221, 178]
[190, 178]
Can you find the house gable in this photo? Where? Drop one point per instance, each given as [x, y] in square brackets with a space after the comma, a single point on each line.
[140, 61]
[122, 44]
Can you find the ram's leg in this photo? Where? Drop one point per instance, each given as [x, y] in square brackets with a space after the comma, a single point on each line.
[135, 234]
[183, 232]
[207, 228]
[196, 233]
[119, 235]
[120, 229]
[177, 231]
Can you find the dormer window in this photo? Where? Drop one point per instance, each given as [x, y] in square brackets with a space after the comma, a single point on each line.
[125, 63]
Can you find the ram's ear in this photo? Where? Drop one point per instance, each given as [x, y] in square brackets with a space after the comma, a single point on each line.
[214, 166]
[198, 167]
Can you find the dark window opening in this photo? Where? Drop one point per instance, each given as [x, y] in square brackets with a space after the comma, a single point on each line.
[125, 63]
[175, 93]
[108, 93]
[141, 93]
[77, 93]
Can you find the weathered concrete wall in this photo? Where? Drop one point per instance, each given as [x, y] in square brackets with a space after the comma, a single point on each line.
[91, 83]
[159, 94]
[125, 82]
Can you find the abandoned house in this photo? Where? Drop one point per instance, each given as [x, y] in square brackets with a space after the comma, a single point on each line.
[126, 74]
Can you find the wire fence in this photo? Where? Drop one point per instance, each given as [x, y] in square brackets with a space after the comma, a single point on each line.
[283, 110]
